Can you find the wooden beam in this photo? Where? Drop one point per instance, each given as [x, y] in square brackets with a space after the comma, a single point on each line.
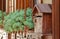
[55, 19]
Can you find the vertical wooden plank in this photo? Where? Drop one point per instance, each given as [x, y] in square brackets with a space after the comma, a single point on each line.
[0, 4]
[19, 4]
[4, 5]
[9, 5]
[22, 4]
[9, 35]
[7, 9]
[47, 23]
[31, 3]
[55, 19]
[16, 4]
[26, 4]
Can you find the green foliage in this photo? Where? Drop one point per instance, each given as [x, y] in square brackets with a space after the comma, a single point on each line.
[1, 16]
[16, 21]
[4, 14]
[29, 19]
[29, 12]
[22, 12]
[29, 22]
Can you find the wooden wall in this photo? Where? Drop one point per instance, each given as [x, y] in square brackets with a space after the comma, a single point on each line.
[3, 5]
[20, 4]
[23, 4]
[0, 4]
[47, 23]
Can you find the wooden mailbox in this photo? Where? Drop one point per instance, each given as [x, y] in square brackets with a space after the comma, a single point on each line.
[43, 11]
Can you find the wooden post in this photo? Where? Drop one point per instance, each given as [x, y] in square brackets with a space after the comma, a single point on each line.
[9, 35]
[55, 19]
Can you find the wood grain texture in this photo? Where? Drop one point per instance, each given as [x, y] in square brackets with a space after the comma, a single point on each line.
[3, 5]
[47, 23]
[0, 4]
[55, 19]
[31, 3]
[23, 4]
